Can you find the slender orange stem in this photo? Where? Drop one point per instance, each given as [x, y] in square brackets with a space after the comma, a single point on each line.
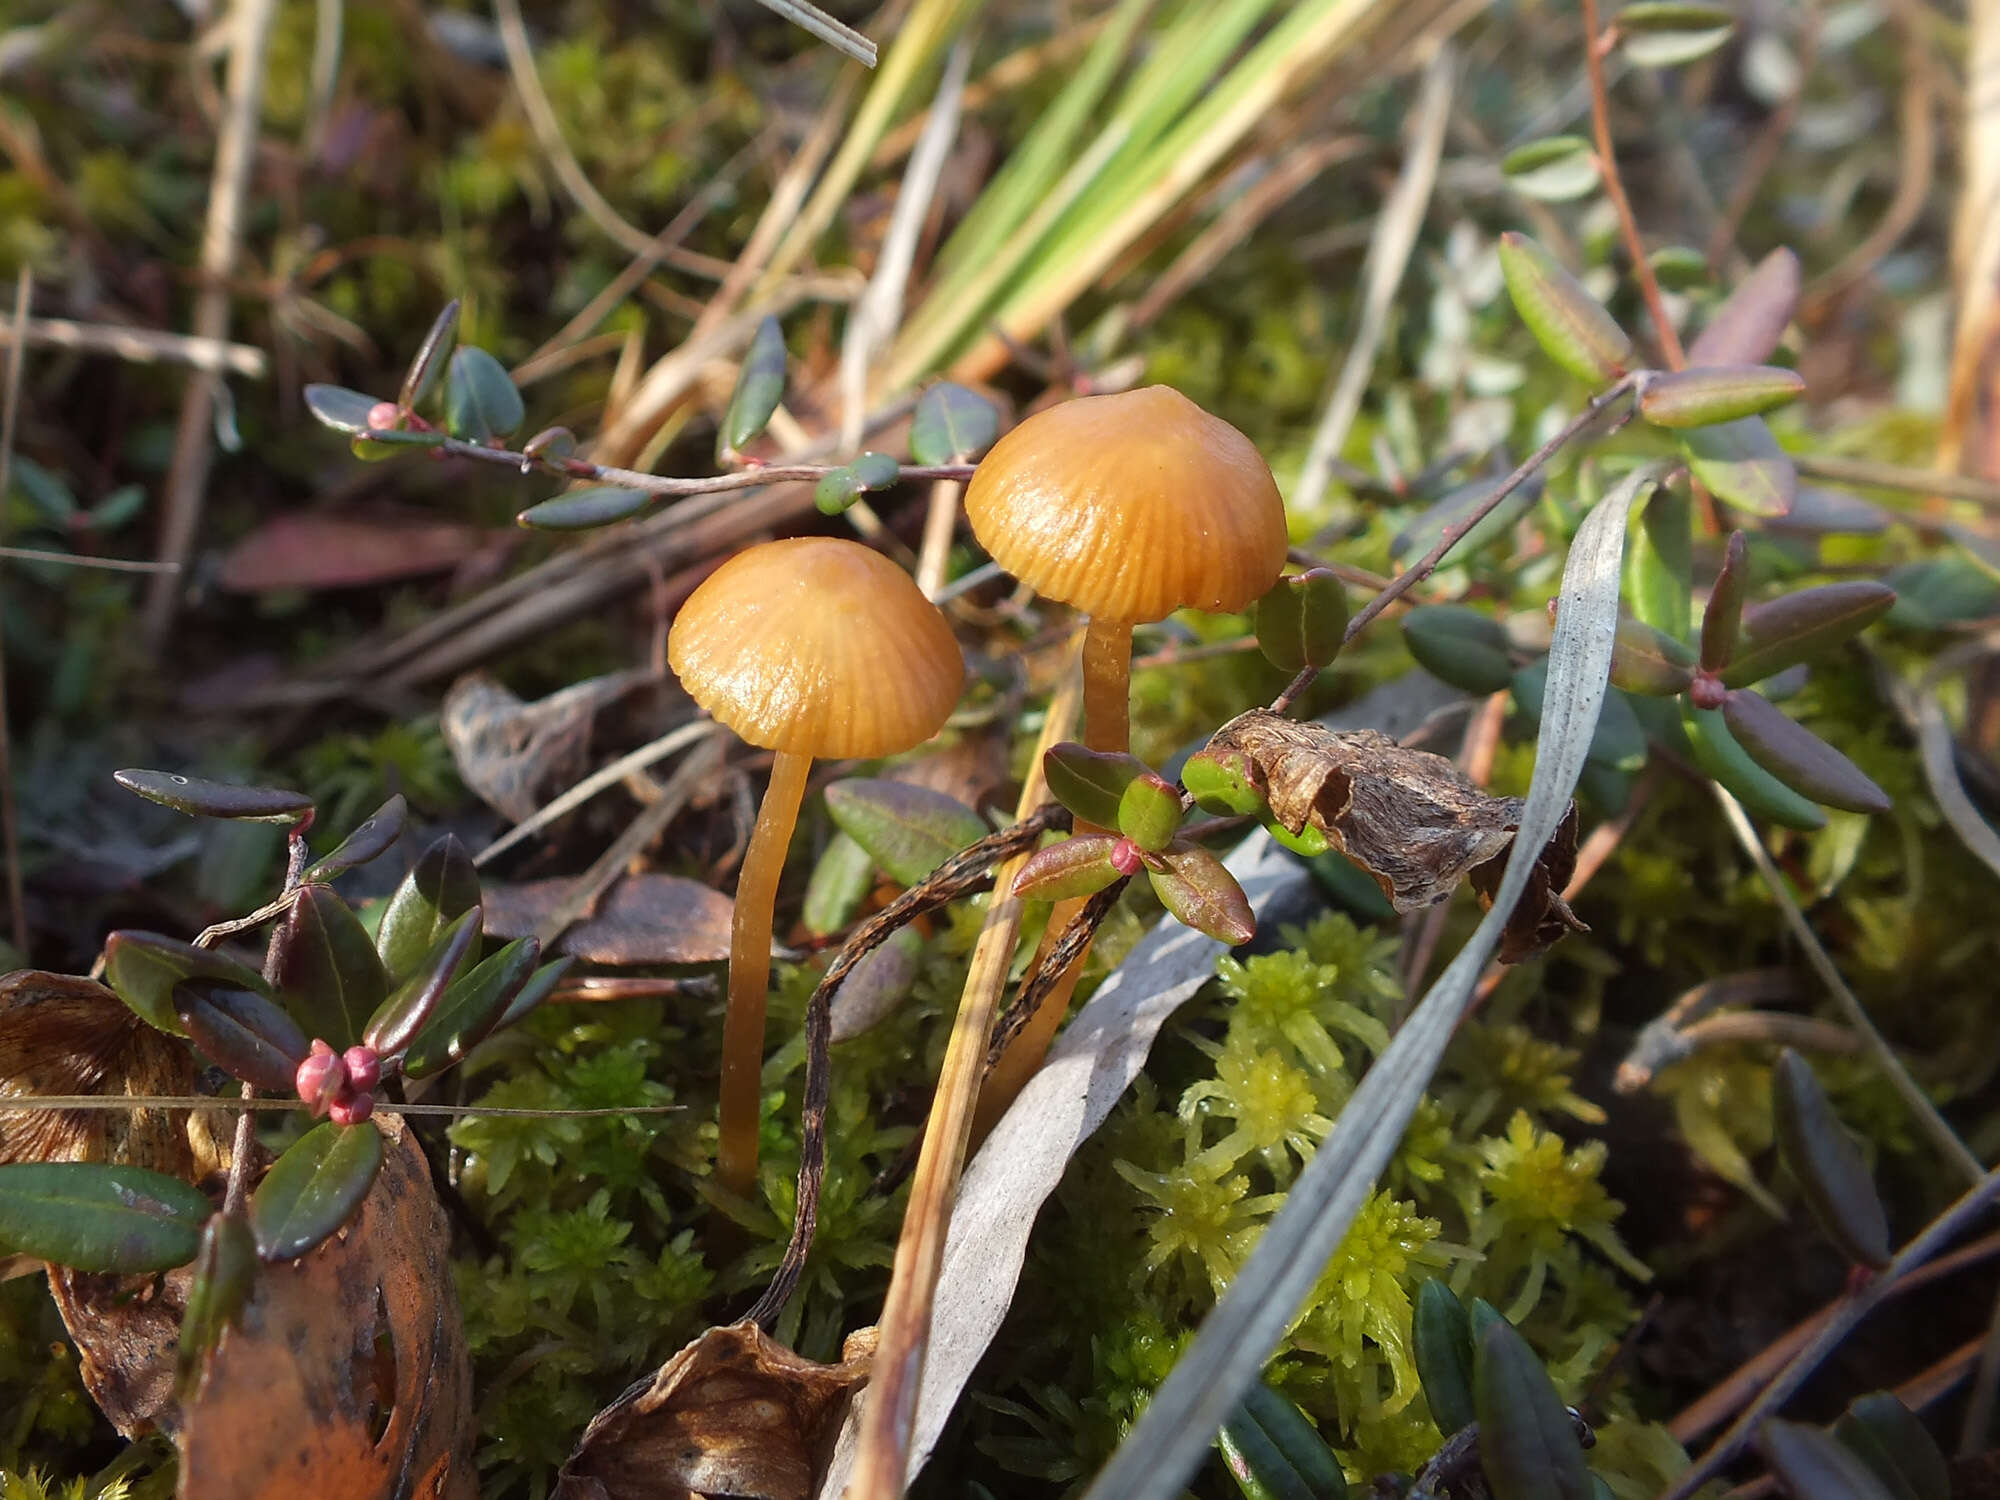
[1107, 684]
[750, 971]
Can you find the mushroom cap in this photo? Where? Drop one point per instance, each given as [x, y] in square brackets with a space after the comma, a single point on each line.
[817, 646]
[1131, 506]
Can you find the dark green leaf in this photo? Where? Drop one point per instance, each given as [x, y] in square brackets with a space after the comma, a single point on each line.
[1717, 753]
[339, 408]
[1746, 329]
[1701, 397]
[1886, 1435]
[1649, 661]
[760, 386]
[1618, 743]
[411, 1005]
[1827, 1164]
[1724, 615]
[1811, 1464]
[216, 799]
[441, 887]
[910, 830]
[1743, 464]
[1453, 510]
[472, 1007]
[1441, 1341]
[541, 984]
[1302, 620]
[1659, 567]
[1149, 813]
[101, 1217]
[1274, 1453]
[371, 837]
[1090, 782]
[1527, 1440]
[1679, 268]
[1798, 757]
[242, 1032]
[1554, 169]
[1224, 782]
[225, 1274]
[1800, 626]
[328, 968]
[431, 357]
[840, 882]
[579, 510]
[481, 403]
[952, 425]
[1067, 871]
[144, 967]
[1941, 591]
[1460, 646]
[1193, 885]
[314, 1188]
[1570, 325]
[876, 471]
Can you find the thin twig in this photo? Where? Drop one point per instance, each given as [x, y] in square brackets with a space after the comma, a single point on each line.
[144, 346]
[1614, 188]
[1907, 1088]
[10, 411]
[123, 1103]
[101, 564]
[235, 156]
[1395, 236]
[1845, 1314]
[598, 781]
[1424, 566]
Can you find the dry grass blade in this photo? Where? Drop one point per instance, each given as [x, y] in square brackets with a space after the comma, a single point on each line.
[143, 346]
[1395, 237]
[597, 781]
[881, 1466]
[835, 33]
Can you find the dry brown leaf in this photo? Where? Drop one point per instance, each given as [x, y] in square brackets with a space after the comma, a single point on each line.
[646, 919]
[347, 1373]
[734, 1413]
[508, 750]
[1411, 819]
[331, 550]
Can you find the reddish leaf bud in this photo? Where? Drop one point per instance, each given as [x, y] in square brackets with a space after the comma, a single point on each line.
[1707, 691]
[1125, 857]
[364, 1067]
[321, 1078]
[352, 1108]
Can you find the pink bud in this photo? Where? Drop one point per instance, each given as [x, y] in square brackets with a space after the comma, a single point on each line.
[352, 1108]
[1125, 857]
[385, 416]
[364, 1067]
[1707, 691]
[320, 1078]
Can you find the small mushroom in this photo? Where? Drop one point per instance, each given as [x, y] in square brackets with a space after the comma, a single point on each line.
[813, 646]
[1128, 507]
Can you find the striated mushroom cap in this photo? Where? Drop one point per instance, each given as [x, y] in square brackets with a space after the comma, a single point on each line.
[1131, 506]
[817, 646]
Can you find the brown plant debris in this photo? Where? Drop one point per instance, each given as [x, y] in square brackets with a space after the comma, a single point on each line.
[733, 1413]
[1407, 817]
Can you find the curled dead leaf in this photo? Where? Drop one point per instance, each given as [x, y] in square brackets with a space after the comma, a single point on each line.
[1407, 817]
[645, 919]
[508, 750]
[733, 1413]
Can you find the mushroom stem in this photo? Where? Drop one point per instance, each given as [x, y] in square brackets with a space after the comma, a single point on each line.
[1107, 684]
[750, 971]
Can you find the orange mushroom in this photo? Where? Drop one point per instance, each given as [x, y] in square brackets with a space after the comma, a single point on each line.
[1129, 507]
[808, 647]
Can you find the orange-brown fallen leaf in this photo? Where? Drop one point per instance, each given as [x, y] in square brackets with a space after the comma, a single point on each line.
[734, 1413]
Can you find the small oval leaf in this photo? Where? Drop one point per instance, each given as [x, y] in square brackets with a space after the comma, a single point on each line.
[1723, 617]
[411, 1005]
[1274, 1453]
[1743, 464]
[1556, 169]
[441, 887]
[100, 1216]
[225, 1274]
[1149, 813]
[216, 799]
[314, 1188]
[837, 490]
[580, 510]
[1700, 397]
[1798, 757]
[1669, 33]
[841, 880]
[1441, 1341]
[1527, 1440]
[1302, 620]
[1570, 325]
[431, 357]
[1459, 645]
[1887, 1436]
[876, 471]
[551, 445]
[541, 984]
[243, 1033]
[1747, 328]
[1827, 1163]
[909, 830]
[1193, 885]
[338, 407]
[1659, 566]
[370, 839]
[1649, 661]
[482, 402]
[952, 425]
[327, 967]
[143, 969]
[1090, 782]
[760, 386]
[1070, 870]
[1787, 631]
[1717, 752]
[1225, 782]
[1812, 1464]
[471, 1008]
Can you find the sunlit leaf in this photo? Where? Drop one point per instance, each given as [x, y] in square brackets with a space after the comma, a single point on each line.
[1572, 327]
[100, 1216]
[952, 425]
[216, 799]
[315, 1187]
[910, 830]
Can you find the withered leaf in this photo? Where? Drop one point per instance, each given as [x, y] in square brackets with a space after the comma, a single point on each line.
[508, 750]
[733, 1413]
[331, 550]
[1407, 817]
[645, 919]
